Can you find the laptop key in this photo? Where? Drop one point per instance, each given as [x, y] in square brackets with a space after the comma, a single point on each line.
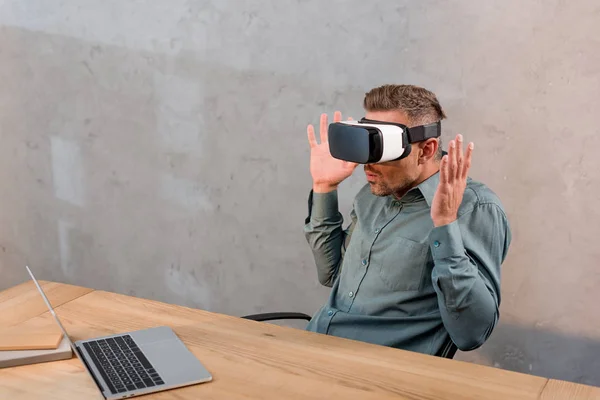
[159, 382]
[143, 360]
[140, 385]
[102, 372]
[148, 382]
[130, 387]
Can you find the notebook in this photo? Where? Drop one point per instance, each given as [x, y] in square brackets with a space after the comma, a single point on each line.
[13, 358]
[17, 339]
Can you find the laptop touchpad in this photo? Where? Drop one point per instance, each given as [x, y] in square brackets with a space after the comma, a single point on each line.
[169, 356]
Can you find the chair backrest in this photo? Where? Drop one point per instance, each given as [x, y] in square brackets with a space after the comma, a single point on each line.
[448, 350]
[276, 316]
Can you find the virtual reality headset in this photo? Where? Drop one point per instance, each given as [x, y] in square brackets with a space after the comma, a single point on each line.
[369, 142]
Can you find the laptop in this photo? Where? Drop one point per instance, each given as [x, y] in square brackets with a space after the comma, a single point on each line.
[135, 363]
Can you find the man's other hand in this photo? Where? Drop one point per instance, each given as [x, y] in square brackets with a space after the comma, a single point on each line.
[454, 170]
[327, 172]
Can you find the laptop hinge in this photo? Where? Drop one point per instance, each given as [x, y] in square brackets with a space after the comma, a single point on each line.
[87, 366]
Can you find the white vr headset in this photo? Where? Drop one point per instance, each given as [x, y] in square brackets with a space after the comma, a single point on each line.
[369, 142]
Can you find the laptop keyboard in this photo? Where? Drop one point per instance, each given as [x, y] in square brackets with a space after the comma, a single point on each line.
[122, 364]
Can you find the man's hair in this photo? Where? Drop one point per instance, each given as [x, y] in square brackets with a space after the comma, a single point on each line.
[420, 105]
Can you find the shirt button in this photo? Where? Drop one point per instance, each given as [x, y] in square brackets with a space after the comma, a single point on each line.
[436, 243]
[330, 313]
[377, 230]
[364, 262]
[351, 294]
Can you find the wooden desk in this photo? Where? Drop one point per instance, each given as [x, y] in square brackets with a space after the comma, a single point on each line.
[558, 390]
[251, 359]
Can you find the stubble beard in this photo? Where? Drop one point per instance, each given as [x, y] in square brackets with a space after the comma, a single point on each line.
[382, 189]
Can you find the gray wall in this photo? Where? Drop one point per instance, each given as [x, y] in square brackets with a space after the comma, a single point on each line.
[158, 148]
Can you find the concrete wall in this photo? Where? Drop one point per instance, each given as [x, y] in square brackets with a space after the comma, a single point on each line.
[158, 148]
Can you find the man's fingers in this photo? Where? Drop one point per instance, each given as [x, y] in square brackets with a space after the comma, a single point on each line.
[312, 140]
[351, 165]
[459, 156]
[323, 128]
[452, 161]
[444, 169]
[337, 116]
[468, 155]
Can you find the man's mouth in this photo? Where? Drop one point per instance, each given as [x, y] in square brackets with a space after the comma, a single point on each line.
[370, 176]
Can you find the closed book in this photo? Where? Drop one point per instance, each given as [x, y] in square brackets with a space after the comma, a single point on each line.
[13, 358]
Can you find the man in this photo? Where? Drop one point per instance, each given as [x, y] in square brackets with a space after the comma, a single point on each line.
[418, 267]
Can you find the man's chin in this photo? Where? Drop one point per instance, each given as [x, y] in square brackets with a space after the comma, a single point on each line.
[377, 190]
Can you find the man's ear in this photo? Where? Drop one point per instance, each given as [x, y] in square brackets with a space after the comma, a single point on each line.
[429, 149]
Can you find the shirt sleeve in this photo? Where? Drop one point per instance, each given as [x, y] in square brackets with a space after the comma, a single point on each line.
[325, 235]
[467, 255]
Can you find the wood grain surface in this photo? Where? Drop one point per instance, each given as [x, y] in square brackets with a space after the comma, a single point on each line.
[558, 390]
[22, 302]
[254, 360]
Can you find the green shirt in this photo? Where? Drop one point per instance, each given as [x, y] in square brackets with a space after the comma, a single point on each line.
[399, 281]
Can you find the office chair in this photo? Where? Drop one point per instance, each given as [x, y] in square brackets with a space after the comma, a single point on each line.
[448, 350]
[277, 316]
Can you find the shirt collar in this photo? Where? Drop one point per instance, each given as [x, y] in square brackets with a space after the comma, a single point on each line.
[428, 187]
[425, 189]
